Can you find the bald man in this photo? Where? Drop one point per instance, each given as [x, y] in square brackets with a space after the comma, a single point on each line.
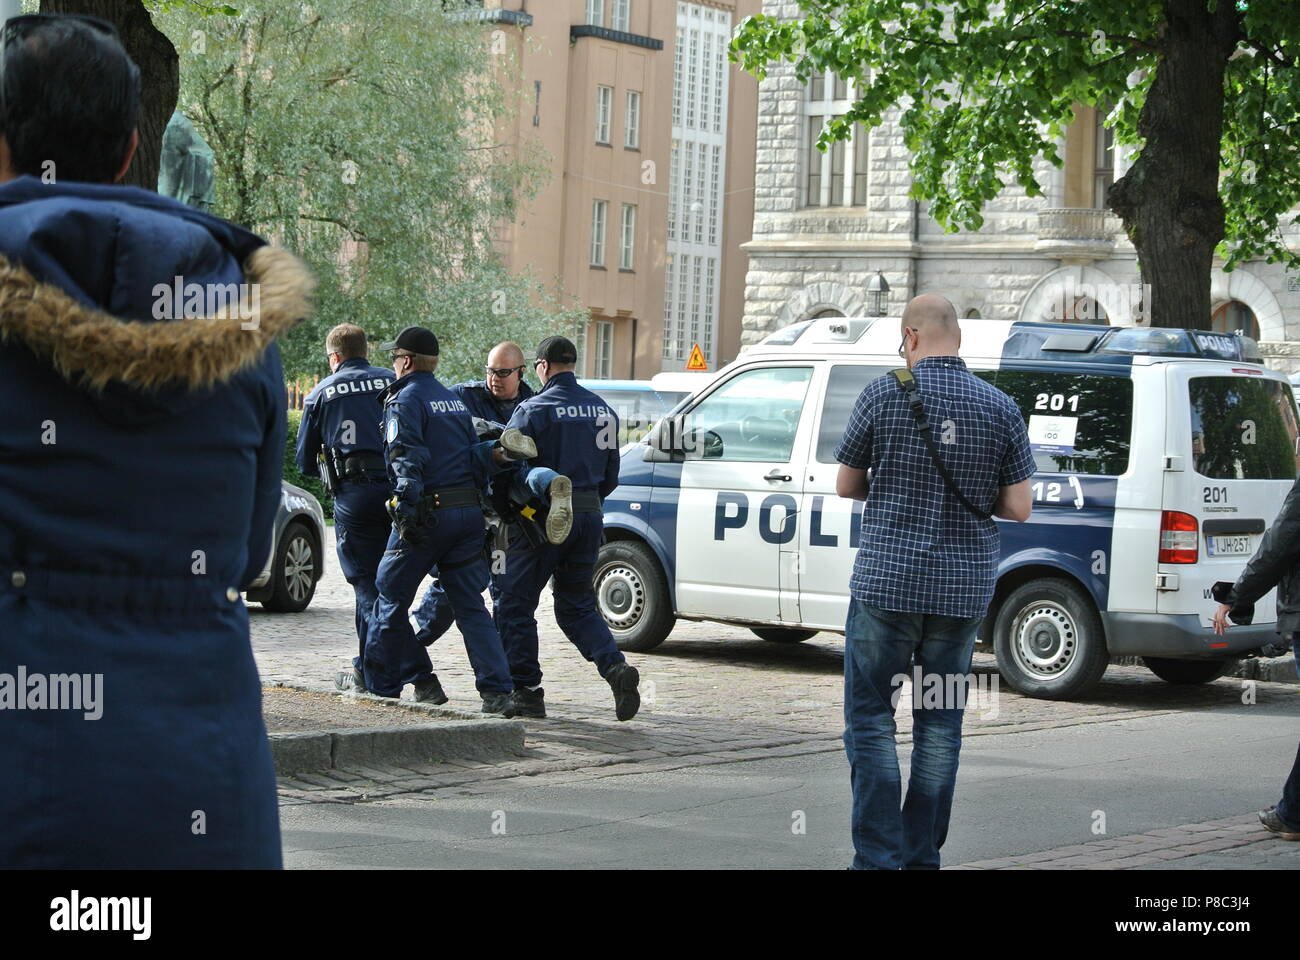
[923, 576]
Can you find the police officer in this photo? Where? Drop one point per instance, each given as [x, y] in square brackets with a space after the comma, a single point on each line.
[576, 435]
[339, 440]
[429, 436]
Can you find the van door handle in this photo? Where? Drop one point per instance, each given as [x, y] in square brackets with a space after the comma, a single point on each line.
[778, 475]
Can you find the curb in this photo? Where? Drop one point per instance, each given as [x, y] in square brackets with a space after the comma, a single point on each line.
[464, 736]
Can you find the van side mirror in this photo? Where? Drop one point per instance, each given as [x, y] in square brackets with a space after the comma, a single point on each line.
[664, 441]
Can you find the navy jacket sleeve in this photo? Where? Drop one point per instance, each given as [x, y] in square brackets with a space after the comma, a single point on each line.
[270, 464]
[309, 440]
[408, 457]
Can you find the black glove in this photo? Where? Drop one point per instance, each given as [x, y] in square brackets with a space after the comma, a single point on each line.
[408, 529]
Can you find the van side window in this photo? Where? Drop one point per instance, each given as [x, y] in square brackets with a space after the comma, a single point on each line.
[1078, 422]
[843, 387]
[753, 417]
[1243, 428]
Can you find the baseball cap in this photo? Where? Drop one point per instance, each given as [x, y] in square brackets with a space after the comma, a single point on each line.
[557, 350]
[416, 339]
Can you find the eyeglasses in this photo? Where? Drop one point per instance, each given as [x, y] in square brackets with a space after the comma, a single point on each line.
[504, 371]
[401, 356]
[17, 29]
[902, 347]
[538, 362]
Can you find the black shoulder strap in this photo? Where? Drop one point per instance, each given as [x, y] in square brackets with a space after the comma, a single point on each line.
[908, 383]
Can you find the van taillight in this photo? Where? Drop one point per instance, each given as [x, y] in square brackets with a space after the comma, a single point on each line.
[1178, 537]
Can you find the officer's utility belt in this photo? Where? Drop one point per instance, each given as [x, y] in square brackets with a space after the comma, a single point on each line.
[361, 466]
[586, 501]
[446, 499]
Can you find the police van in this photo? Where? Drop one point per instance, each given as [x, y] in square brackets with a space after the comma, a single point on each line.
[1162, 456]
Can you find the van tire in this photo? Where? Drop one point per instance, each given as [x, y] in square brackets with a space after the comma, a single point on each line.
[783, 634]
[1060, 616]
[1188, 671]
[632, 595]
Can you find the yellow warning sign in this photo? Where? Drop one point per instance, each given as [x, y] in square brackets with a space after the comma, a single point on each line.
[697, 361]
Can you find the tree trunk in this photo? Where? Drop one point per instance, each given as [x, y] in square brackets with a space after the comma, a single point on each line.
[1169, 200]
[160, 76]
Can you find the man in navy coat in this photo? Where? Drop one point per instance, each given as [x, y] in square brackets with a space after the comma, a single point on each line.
[142, 444]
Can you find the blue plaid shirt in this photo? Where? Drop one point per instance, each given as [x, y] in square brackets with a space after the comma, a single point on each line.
[922, 551]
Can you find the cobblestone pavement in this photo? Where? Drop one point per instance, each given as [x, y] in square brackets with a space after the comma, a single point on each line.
[711, 694]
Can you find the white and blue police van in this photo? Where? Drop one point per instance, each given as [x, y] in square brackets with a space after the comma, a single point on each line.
[1162, 457]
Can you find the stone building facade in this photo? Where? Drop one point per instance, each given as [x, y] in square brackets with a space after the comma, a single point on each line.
[817, 245]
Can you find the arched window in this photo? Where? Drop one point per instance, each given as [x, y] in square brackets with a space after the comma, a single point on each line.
[972, 314]
[1081, 310]
[1234, 316]
[828, 312]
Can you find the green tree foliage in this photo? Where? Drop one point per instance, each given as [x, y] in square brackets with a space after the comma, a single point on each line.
[1208, 90]
[360, 134]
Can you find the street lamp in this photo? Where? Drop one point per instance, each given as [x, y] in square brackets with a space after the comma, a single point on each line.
[878, 291]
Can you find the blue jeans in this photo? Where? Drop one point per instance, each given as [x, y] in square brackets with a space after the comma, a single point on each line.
[880, 645]
[434, 614]
[1288, 810]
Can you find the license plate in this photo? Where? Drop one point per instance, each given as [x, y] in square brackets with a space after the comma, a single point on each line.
[1239, 546]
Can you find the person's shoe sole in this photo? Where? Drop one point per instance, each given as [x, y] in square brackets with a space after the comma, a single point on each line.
[559, 518]
[350, 681]
[518, 446]
[1281, 830]
[627, 698]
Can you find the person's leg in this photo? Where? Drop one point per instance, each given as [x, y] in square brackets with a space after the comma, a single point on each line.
[526, 571]
[361, 529]
[464, 575]
[393, 658]
[878, 646]
[1288, 810]
[944, 660]
[575, 598]
[434, 615]
[528, 483]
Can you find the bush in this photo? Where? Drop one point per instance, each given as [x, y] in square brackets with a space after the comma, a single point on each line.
[296, 476]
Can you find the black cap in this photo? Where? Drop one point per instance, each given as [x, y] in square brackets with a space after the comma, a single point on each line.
[416, 339]
[557, 350]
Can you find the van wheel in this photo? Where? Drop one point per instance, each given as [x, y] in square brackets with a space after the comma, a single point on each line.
[783, 634]
[294, 571]
[1049, 640]
[632, 595]
[1188, 671]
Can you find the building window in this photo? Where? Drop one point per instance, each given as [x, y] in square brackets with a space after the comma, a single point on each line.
[596, 13]
[604, 110]
[838, 177]
[1104, 164]
[599, 213]
[627, 248]
[623, 15]
[604, 353]
[632, 129]
[1235, 317]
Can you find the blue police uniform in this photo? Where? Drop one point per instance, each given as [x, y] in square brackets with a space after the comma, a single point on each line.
[576, 434]
[342, 416]
[428, 436]
[482, 403]
[138, 488]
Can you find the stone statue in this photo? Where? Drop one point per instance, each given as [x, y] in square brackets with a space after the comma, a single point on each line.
[186, 172]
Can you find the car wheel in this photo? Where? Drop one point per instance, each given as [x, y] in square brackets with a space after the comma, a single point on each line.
[1049, 640]
[632, 595]
[297, 561]
[1188, 671]
[783, 634]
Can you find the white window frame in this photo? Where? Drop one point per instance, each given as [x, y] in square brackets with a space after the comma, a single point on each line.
[599, 220]
[622, 16]
[632, 121]
[627, 237]
[829, 108]
[603, 355]
[604, 113]
[596, 13]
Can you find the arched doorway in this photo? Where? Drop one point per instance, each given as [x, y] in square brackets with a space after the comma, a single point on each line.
[828, 312]
[1235, 316]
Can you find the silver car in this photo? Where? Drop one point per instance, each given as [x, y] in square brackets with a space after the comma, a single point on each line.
[297, 559]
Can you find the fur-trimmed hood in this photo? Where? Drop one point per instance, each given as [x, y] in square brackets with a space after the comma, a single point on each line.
[90, 348]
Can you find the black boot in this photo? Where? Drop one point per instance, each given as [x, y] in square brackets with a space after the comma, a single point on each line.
[623, 679]
[430, 691]
[530, 703]
[501, 704]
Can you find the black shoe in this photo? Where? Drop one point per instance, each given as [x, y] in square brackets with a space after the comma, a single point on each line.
[1274, 824]
[530, 703]
[430, 691]
[623, 679]
[350, 680]
[501, 704]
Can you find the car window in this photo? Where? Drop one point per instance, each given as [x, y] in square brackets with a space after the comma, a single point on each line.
[1078, 422]
[753, 417]
[1243, 428]
[637, 410]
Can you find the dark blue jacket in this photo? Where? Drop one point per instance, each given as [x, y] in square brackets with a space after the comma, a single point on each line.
[576, 433]
[343, 413]
[140, 463]
[481, 403]
[428, 432]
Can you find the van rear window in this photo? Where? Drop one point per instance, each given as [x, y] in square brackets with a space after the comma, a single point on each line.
[1243, 428]
[1078, 422]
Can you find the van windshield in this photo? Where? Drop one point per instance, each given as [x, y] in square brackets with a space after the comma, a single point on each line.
[1243, 428]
